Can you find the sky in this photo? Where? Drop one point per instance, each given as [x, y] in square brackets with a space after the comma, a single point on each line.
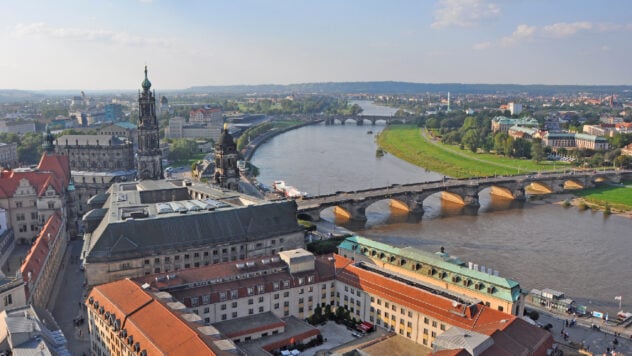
[102, 45]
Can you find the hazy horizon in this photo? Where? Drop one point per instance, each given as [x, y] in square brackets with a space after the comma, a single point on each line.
[104, 45]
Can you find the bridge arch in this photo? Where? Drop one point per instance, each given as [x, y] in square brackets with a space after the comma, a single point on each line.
[538, 187]
[573, 184]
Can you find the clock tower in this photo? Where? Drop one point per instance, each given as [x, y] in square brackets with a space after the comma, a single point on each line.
[148, 162]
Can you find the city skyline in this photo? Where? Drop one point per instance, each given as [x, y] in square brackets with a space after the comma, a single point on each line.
[104, 45]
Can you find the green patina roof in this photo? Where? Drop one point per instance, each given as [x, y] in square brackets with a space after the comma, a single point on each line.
[508, 289]
[125, 125]
[590, 137]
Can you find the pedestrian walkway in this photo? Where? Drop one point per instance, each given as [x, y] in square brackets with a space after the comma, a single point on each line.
[582, 335]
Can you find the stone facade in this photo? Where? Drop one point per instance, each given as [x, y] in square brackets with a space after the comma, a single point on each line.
[149, 161]
[226, 156]
[162, 227]
[40, 267]
[31, 196]
[96, 153]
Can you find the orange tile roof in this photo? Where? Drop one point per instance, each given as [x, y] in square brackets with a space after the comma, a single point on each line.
[156, 327]
[476, 317]
[53, 170]
[59, 164]
[34, 260]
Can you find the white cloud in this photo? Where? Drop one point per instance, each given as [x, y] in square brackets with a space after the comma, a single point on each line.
[522, 32]
[41, 30]
[481, 46]
[463, 13]
[565, 29]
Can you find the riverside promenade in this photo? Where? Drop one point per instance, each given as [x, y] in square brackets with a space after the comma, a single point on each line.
[592, 335]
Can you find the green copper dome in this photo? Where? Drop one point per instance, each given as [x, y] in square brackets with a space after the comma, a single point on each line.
[146, 83]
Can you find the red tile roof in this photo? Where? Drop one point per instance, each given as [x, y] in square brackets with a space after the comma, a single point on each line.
[53, 170]
[59, 164]
[474, 317]
[157, 328]
[34, 261]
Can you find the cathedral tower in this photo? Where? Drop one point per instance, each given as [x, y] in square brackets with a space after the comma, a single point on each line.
[149, 163]
[226, 155]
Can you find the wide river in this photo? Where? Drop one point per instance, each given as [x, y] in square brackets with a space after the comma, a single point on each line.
[584, 254]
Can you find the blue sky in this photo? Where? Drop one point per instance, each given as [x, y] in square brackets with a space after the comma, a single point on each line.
[105, 44]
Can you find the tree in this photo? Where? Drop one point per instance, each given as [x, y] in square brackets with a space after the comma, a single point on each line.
[433, 123]
[30, 148]
[537, 151]
[182, 149]
[471, 140]
[500, 139]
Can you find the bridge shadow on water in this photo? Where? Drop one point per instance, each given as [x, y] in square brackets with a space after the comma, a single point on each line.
[383, 214]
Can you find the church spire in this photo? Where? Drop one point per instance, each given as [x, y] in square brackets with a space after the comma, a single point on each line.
[146, 83]
[48, 142]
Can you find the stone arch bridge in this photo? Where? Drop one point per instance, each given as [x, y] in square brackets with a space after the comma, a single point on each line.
[410, 197]
[361, 119]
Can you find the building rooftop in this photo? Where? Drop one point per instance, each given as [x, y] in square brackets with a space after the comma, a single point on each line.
[89, 140]
[136, 311]
[507, 289]
[239, 275]
[148, 216]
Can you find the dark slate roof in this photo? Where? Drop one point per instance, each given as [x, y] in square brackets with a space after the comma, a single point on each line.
[119, 240]
[89, 140]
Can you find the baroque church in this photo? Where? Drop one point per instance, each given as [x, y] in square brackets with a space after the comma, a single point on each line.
[149, 162]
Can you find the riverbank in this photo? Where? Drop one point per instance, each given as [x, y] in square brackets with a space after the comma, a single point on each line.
[413, 145]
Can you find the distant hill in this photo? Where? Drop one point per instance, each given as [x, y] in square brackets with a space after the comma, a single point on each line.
[13, 95]
[410, 88]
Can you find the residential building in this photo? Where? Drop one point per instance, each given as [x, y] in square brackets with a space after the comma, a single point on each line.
[178, 128]
[164, 226]
[440, 270]
[31, 196]
[627, 150]
[113, 112]
[27, 331]
[149, 160]
[8, 155]
[514, 108]
[207, 115]
[43, 262]
[18, 127]
[124, 318]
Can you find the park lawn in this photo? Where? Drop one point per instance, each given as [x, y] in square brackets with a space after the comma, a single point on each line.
[189, 161]
[407, 143]
[286, 123]
[617, 197]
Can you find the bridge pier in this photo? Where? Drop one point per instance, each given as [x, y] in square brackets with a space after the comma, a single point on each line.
[519, 194]
[471, 200]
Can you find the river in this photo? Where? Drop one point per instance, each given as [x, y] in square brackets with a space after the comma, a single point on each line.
[583, 254]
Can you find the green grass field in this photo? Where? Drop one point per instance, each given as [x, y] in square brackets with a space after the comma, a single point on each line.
[407, 143]
[618, 197]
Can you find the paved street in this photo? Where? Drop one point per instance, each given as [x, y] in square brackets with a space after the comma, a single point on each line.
[596, 340]
[69, 294]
